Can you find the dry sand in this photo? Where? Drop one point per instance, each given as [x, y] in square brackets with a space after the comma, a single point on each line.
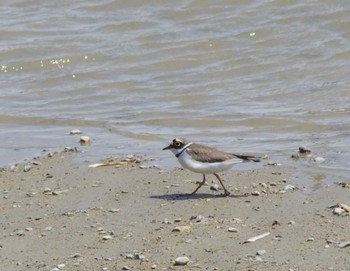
[60, 215]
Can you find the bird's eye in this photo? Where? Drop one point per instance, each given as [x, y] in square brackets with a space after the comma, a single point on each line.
[177, 144]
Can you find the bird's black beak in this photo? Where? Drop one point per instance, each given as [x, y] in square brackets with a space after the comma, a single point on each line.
[167, 148]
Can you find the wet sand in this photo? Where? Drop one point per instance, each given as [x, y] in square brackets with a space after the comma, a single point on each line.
[57, 214]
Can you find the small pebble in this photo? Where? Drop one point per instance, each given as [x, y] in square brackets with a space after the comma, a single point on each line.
[106, 237]
[289, 188]
[75, 132]
[70, 149]
[167, 221]
[214, 187]
[84, 140]
[47, 190]
[20, 233]
[255, 193]
[236, 220]
[27, 168]
[264, 185]
[181, 261]
[261, 252]
[258, 259]
[266, 157]
[338, 211]
[182, 229]
[139, 256]
[76, 255]
[31, 194]
[232, 229]
[276, 223]
[39, 265]
[138, 160]
[113, 210]
[304, 150]
[198, 219]
[319, 159]
[129, 256]
[273, 164]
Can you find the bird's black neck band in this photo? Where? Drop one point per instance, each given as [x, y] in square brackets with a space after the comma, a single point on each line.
[183, 149]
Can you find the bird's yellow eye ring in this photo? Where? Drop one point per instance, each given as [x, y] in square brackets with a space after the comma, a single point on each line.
[177, 144]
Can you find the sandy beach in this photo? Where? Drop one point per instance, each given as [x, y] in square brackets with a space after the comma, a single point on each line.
[57, 214]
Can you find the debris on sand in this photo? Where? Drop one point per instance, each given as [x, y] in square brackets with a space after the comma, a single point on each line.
[255, 238]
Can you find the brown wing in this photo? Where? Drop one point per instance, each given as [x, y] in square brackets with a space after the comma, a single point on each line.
[207, 154]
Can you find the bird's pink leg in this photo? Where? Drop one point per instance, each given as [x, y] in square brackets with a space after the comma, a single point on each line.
[203, 182]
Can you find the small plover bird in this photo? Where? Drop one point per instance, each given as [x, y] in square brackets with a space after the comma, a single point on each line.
[206, 160]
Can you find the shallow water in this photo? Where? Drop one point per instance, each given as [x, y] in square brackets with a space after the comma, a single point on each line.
[245, 76]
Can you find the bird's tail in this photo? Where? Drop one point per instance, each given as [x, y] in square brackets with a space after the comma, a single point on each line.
[248, 157]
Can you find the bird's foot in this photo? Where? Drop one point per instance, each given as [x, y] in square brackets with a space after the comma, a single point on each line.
[225, 194]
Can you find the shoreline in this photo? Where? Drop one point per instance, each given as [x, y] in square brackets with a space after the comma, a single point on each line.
[63, 215]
